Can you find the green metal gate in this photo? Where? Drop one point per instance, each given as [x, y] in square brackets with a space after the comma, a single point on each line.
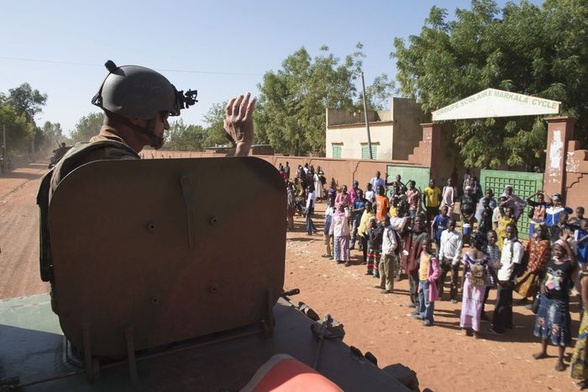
[524, 184]
[419, 174]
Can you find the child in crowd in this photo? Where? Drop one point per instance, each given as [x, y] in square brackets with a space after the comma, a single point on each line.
[538, 209]
[309, 210]
[328, 238]
[428, 274]
[393, 211]
[575, 221]
[375, 232]
[362, 229]
[356, 214]
[497, 213]
[439, 224]
[506, 219]
[485, 222]
[370, 193]
[493, 252]
[341, 235]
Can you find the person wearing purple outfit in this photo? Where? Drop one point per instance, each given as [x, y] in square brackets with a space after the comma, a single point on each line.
[477, 266]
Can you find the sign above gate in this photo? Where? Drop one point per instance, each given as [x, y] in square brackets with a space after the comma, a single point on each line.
[496, 103]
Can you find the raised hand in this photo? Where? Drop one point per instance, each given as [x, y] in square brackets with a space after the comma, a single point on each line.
[239, 123]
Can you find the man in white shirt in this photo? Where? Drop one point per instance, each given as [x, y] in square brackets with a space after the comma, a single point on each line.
[512, 254]
[328, 237]
[377, 181]
[390, 251]
[449, 256]
[449, 195]
[370, 193]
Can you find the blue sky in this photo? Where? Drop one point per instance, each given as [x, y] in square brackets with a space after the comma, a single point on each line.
[59, 47]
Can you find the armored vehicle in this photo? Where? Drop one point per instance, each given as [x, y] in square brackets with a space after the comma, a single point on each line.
[58, 153]
[164, 280]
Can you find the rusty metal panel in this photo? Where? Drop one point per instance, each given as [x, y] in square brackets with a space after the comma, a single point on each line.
[174, 249]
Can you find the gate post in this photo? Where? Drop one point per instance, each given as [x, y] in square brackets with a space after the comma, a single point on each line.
[431, 151]
[560, 130]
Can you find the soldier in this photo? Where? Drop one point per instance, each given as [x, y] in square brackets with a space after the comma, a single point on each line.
[137, 103]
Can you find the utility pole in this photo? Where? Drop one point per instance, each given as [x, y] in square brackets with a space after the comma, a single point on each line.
[3, 141]
[4, 161]
[365, 112]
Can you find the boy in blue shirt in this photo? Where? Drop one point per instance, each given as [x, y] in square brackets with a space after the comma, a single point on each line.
[439, 224]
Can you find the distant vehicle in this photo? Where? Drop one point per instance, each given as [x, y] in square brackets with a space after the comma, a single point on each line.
[58, 154]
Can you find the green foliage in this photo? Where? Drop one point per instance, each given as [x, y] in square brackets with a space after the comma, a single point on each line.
[181, 137]
[17, 112]
[540, 51]
[19, 132]
[87, 127]
[215, 130]
[292, 105]
[26, 101]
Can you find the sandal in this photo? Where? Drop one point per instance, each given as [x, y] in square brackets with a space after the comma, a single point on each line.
[581, 385]
[540, 355]
[560, 367]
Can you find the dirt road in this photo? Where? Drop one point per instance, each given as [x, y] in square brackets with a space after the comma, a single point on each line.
[19, 232]
[444, 359]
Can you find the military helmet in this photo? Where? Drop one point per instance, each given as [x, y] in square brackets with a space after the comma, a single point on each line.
[133, 91]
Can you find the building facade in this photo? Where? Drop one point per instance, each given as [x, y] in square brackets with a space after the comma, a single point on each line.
[394, 133]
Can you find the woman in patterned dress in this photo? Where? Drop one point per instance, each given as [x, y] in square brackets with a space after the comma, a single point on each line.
[553, 318]
[539, 251]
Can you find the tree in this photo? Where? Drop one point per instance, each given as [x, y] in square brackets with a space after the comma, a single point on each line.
[181, 137]
[215, 129]
[293, 101]
[49, 135]
[529, 50]
[87, 127]
[17, 112]
[379, 92]
[19, 132]
[27, 101]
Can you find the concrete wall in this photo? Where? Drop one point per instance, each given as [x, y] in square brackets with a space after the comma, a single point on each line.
[344, 171]
[576, 176]
[407, 117]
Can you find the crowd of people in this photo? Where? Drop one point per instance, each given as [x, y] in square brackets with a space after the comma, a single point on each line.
[425, 235]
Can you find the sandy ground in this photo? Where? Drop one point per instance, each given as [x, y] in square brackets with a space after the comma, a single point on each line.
[443, 357]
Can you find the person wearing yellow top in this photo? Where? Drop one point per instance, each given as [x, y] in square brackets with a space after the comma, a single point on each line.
[393, 211]
[428, 274]
[506, 219]
[432, 200]
[363, 227]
